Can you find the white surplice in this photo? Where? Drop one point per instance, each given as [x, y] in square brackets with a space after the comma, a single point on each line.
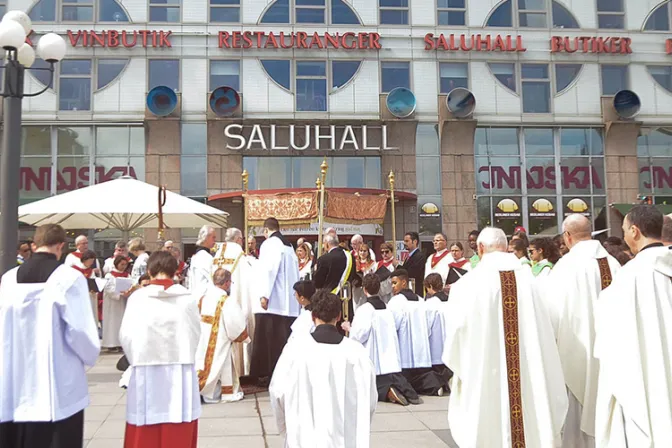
[200, 272]
[377, 332]
[441, 267]
[633, 325]
[222, 322]
[306, 270]
[73, 260]
[160, 334]
[410, 318]
[433, 308]
[230, 256]
[571, 290]
[478, 412]
[113, 313]
[303, 325]
[324, 395]
[48, 337]
[277, 271]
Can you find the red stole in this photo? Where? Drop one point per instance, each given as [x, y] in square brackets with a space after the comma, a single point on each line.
[436, 259]
[303, 264]
[459, 264]
[86, 272]
[387, 264]
[180, 268]
[165, 282]
[116, 274]
[361, 267]
[77, 254]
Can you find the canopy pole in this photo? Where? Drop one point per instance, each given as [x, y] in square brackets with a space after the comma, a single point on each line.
[162, 202]
[245, 176]
[323, 180]
[394, 221]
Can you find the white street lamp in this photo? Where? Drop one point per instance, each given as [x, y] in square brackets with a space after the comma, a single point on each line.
[51, 47]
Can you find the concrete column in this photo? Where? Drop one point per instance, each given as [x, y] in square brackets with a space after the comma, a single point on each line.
[225, 166]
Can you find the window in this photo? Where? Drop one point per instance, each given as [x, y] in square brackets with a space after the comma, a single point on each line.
[342, 72]
[395, 74]
[109, 70]
[111, 11]
[164, 11]
[536, 88]
[610, 14]
[311, 86]
[75, 84]
[164, 72]
[453, 75]
[224, 73]
[393, 12]
[3, 8]
[77, 11]
[614, 78]
[531, 13]
[654, 147]
[279, 71]
[193, 161]
[659, 20]
[565, 74]
[662, 75]
[310, 11]
[451, 12]
[505, 74]
[225, 11]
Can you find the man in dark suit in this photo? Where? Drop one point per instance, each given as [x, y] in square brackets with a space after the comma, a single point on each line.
[415, 263]
[332, 265]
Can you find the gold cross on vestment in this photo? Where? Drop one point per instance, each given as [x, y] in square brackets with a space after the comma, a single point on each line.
[510, 302]
[511, 338]
[514, 375]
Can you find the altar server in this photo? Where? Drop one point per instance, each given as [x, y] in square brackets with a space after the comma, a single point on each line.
[222, 324]
[120, 248]
[323, 391]
[231, 256]
[278, 271]
[571, 291]
[159, 334]
[200, 266]
[507, 388]
[48, 337]
[373, 327]
[439, 262]
[435, 304]
[114, 303]
[634, 341]
[304, 290]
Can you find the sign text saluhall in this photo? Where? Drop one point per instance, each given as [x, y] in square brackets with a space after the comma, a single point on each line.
[478, 42]
[312, 138]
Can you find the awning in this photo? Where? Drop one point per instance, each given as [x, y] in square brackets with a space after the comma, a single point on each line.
[624, 209]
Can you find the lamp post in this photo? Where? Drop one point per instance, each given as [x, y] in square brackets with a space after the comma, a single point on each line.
[14, 28]
[323, 180]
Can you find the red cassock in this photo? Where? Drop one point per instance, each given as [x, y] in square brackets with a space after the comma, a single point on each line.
[164, 435]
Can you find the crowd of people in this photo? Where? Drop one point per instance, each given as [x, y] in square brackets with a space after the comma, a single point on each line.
[548, 342]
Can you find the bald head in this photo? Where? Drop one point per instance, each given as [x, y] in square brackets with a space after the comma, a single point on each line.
[667, 230]
[576, 228]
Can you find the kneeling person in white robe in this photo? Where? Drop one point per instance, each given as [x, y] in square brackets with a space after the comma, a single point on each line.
[373, 326]
[633, 342]
[507, 388]
[304, 290]
[323, 390]
[222, 324]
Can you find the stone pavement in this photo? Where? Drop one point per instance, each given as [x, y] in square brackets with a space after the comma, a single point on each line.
[250, 423]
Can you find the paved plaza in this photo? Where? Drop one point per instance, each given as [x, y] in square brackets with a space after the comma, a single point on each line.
[250, 423]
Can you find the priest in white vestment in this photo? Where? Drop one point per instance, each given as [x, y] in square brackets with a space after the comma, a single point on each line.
[160, 334]
[439, 262]
[507, 389]
[323, 390]
[633, 325]
[199, 275]
[48, 337]
[81, 245]
[571, 291]
[278, 271]
[230, 256]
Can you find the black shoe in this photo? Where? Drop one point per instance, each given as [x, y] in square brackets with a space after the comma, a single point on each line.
[395, 397]
[415, 400]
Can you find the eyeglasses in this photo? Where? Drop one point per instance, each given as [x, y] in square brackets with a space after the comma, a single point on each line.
[385, 251]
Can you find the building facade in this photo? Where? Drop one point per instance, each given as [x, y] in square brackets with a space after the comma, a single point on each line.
[312, 78]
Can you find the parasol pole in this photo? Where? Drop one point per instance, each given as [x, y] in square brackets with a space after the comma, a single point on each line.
[323, 180]
[394, 222]
[162, 202]
[245, 177]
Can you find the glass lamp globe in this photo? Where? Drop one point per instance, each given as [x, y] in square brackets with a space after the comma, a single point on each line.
[51, 47]
[21, 18]
[12, 35]
[26, 55]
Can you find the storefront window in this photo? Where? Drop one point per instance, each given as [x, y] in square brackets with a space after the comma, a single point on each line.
[654, 147]
[563, 174]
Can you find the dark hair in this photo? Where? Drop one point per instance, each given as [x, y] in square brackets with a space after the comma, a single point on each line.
[548, 247]
[88, 255]
[118, 259]
[434, 281]
[458, 244]
[523, 237]
[21, 243]
[221, 276]
[386, 245]
[558, 239]
[401, 274]
[619, 254]
[161, 262]
[326, 306]
[413, 235]
[305, 289]
[475, 233]
[143, 277]
[666, 235]
[519, 245]
[272, 224]
[614, 240]
[121, 245]
[648, 219]
[371, 284]
[49, 235]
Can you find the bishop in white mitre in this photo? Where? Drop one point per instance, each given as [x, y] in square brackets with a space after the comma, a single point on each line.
[200, 267]
[222, 324]
[441, 259]
[507, 388]
[572, 290]
[633, 325]
[48, 337]
[230, 256]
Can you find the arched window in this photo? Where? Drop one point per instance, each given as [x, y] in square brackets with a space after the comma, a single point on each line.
[78, 11]
[662, 75]
[660, 19]
[334, 12]
[531, 14]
